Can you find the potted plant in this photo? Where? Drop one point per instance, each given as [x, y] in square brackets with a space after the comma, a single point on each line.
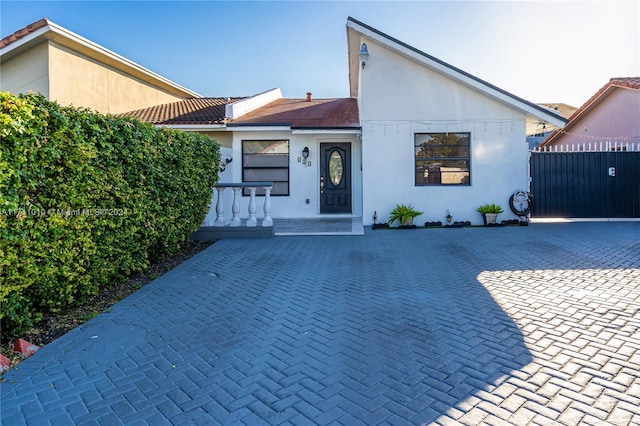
[404, 213]
[489, 213]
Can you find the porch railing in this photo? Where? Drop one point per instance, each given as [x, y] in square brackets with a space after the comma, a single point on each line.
[252, 221]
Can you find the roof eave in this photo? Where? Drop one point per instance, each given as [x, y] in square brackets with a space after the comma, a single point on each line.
[194, 127]
[334, 130]
[258, 127]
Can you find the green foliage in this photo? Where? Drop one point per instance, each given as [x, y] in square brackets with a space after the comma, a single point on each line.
[489, 208]
[403, 213]
[87, 199]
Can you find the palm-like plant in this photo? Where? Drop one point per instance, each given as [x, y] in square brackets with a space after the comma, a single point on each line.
[403, 213]
[489, 208]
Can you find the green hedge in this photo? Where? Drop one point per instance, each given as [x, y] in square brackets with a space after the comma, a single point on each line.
[87, 199]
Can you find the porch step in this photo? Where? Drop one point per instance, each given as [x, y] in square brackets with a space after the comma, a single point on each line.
[214, 233]
[319, 226]
[283, 227]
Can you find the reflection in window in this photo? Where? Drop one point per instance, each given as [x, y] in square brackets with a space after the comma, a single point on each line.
[442, 159]
[336, 167]
[266, 161]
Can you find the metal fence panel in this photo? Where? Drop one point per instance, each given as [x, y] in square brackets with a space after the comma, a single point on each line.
[585, 184]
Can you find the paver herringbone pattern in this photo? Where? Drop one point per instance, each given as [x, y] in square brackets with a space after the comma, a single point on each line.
[537, 325]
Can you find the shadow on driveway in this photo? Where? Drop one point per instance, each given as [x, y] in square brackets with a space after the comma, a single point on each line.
[395, 327]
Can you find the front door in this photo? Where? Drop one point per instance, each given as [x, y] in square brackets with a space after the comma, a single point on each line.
[335, 178]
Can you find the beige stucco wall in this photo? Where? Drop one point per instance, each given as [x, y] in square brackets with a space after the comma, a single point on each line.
[27, 72]
[223, 138]
[80, 81]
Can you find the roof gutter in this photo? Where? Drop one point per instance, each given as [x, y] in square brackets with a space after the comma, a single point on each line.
[194, 127]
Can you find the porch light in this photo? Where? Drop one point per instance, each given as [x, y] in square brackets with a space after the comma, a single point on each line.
[364, 55]
[448, 218]
[305, 153]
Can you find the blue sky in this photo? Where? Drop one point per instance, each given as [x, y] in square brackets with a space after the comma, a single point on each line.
[543, 51]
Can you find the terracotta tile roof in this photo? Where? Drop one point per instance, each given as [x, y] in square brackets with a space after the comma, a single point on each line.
[628, 82]
[188, 111]
[23, 32]
[300, 113]
[632, 83]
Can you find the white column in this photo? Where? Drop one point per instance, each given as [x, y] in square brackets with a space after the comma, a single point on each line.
[235, 209]
[219, 208]
[267, 221]
[252, 221]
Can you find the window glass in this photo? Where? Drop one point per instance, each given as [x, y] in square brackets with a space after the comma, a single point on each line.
[336, 167]
[442, 159]
[266, 161]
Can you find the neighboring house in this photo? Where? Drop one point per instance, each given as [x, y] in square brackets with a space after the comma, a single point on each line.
[414, 130]
[541, 132]
[71, 70]
[609, 121]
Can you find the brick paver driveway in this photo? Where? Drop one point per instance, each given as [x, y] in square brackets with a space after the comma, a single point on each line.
[535, 325]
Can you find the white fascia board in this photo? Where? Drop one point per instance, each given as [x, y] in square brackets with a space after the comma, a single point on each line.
[259, 128]
[243, 106]
[195, 127]
[459, 76]
[24, 40]
[69, 39]
[326, 131]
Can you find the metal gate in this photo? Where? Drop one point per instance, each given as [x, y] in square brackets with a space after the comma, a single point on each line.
[585, 184]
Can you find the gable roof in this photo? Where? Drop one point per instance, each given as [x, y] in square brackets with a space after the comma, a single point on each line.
[186, 112]
[357, 30]
[45, 30]
[630, 83]
[12, 38]
[338, 113]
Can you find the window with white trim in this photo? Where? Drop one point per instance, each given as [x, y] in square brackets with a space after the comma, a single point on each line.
[442, 159]
[266, 161]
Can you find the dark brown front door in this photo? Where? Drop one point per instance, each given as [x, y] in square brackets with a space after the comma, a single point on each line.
[335, 178]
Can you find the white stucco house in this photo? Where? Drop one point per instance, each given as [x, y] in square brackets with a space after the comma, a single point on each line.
[413, 129]
[432, 134]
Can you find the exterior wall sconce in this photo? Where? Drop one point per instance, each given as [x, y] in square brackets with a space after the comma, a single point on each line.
[364, 55]
[223, 164]
[448, 218]
[305, 153]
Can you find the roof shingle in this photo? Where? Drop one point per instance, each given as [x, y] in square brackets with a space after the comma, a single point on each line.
[300, 113]
[23, 32]
[188, 111]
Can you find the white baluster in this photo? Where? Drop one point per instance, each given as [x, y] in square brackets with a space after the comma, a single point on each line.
[252, 221]
[235, 208]
[267, 221]
[219, 209]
